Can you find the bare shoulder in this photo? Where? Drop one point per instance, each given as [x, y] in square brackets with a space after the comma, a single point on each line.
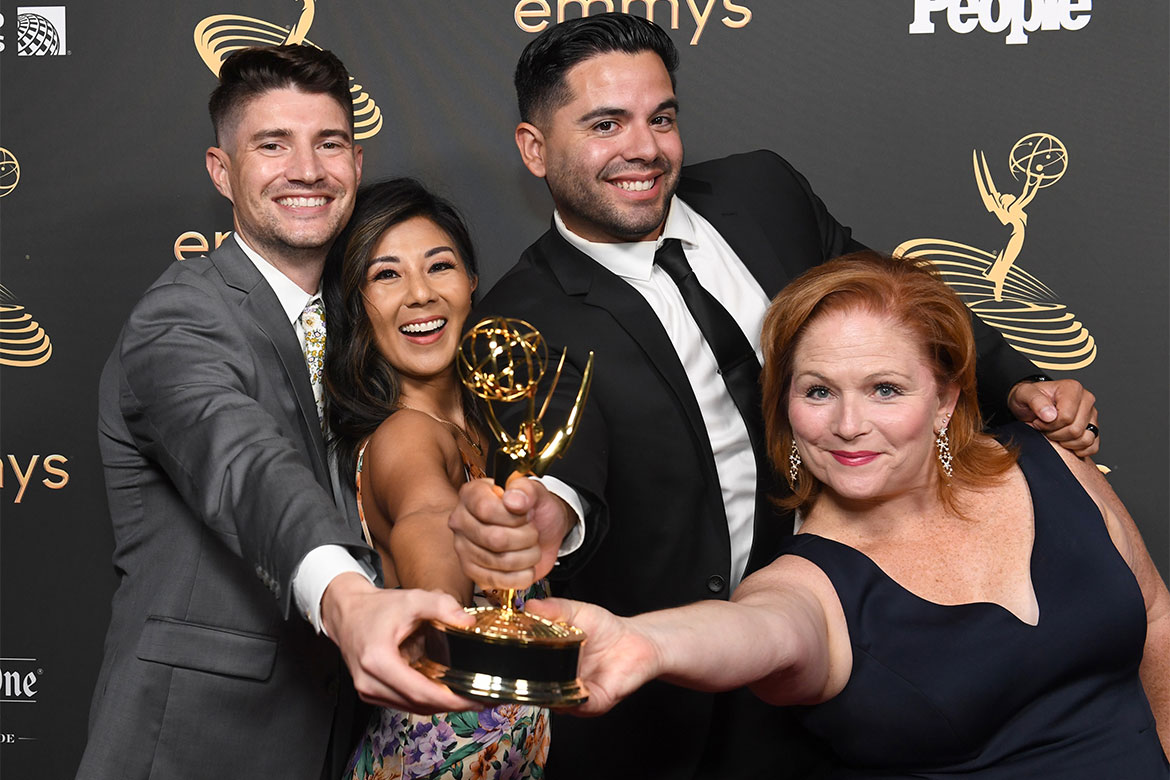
[409, 443]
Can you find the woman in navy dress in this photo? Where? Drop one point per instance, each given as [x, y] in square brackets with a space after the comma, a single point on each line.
[954, 604]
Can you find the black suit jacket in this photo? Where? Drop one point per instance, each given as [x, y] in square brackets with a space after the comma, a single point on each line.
[218, 485]
[657, 533]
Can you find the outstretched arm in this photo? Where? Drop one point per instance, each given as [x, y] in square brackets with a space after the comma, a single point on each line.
[775, 636]
[373, 628]
[409, 477]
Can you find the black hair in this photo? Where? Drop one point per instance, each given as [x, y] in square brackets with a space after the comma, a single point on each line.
[540, 73]
[362, 388]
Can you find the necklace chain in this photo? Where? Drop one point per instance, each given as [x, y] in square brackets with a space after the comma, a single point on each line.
[462, 432]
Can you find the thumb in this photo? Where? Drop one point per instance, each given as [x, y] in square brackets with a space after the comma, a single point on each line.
[551, 609]
[1031, 401]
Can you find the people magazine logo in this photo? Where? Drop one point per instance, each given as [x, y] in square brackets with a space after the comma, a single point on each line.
[40, 31]
[1015, 17]
[218, 36]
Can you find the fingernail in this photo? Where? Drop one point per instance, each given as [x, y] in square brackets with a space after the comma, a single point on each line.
[1048, 413]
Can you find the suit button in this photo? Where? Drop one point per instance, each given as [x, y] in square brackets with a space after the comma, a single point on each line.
[715, 583]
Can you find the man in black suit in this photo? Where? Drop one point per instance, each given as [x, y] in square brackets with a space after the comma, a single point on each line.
[663, 480]
[218, 480]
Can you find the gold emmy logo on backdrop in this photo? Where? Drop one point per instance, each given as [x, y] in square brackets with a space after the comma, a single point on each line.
[23, 342]
[218, 36]
[509, 655]
[1005, 296]
[9, 172]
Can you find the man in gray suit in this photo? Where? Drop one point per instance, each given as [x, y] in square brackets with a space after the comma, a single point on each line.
[220, 491]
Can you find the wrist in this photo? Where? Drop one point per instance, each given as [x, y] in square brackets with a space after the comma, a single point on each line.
[338, 594]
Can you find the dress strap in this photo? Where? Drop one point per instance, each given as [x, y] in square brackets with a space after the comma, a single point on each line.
[357, 481]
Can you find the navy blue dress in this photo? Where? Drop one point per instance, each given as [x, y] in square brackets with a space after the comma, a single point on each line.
[970, 690]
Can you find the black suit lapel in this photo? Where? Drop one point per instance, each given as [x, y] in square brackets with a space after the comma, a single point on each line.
[263, 307]
[580, 275]
[742, 233]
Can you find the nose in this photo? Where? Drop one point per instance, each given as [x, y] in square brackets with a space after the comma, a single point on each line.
[420, 290]
[642, 143]
[304, 166]
[850, 421]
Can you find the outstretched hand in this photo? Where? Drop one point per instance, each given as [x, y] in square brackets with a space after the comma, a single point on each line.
[1063, 410]
[508, 538]
[616, 658]
[373, 629]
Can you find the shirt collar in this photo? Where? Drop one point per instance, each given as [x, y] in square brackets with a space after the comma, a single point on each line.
[635, 259]
[292, 298]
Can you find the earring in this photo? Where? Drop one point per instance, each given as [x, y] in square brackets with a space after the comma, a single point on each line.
[794, 462]
[943, 441]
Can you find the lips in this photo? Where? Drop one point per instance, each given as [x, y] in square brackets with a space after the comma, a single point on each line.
[423, 328]
[634, 185]
[302, 202]
[858, 458]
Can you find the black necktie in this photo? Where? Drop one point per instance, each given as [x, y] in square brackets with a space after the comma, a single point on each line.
[740, 371]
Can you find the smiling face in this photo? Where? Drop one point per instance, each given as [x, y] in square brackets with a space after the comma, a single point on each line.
[417, 295]
[290, 168]
[864, 406]
[612, 155]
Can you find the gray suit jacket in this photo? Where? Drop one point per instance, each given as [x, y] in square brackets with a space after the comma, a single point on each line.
[218, 485]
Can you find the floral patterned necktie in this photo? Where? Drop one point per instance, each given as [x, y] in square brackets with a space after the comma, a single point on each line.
[313, 323]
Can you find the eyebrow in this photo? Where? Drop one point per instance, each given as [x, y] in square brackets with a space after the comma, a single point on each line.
[874, 377]
[280, 132]
[604, 111]
[438, 250]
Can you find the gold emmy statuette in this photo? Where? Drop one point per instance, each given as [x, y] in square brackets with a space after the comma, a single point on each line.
[509, 655]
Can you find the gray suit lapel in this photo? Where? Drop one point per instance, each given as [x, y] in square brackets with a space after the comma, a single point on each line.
[262, 306]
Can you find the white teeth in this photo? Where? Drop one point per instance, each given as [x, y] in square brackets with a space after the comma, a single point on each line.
[299, 203]
[421, 328]
[635, 186]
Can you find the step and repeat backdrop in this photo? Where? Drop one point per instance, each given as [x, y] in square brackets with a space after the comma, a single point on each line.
[1028, 135]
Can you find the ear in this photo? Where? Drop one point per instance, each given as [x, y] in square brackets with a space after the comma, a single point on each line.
[948, 398]
[219, 166]
[474, 283]
[357, 161]
[530, 142]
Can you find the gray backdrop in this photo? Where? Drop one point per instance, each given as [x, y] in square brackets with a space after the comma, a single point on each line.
[109, 133]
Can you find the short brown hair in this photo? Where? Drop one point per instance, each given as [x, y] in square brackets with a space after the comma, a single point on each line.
[910, 293]
[251, 72]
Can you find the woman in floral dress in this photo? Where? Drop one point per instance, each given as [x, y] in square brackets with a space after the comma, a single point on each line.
[400, 421]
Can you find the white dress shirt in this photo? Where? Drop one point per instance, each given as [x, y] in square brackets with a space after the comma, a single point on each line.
[725, 276]
[321, 564]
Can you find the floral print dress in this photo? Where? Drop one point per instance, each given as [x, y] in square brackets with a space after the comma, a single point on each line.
[506, 742]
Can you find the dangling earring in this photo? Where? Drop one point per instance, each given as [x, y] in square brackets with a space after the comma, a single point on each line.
[794, 462]
[943, 441]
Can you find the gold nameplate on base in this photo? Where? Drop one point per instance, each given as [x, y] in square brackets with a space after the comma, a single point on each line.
[510, 655]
